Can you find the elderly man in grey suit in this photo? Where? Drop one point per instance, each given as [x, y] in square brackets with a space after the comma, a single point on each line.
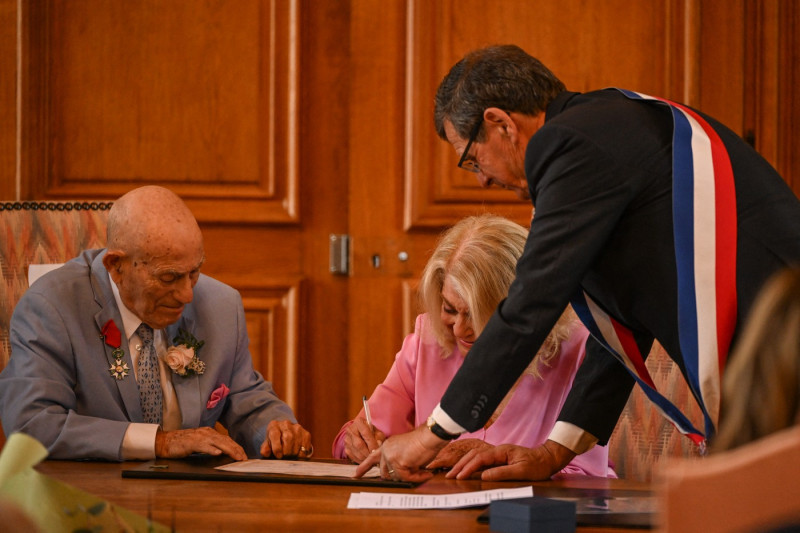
[130, 353]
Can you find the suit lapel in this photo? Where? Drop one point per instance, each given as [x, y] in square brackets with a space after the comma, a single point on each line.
[127, 386]
[187, 389]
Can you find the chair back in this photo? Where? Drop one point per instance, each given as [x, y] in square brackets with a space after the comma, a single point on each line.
[754, 488]
[643, 440]
[41, 232]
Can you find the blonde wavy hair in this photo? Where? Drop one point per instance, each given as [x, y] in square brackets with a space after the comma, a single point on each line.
[761, 385]
[479, 256]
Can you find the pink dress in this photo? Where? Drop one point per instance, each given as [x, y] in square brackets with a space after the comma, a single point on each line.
[419, 377]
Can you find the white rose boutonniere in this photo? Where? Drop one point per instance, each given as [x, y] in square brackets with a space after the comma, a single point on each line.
[178, 358]
[182, 358]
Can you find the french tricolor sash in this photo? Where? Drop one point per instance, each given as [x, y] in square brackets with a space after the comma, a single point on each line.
[704, 220]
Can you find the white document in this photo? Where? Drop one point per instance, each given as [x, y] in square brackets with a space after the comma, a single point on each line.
[297, 468]
[400, 500]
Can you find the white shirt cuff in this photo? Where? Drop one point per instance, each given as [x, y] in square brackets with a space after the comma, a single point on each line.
[139, 442]
[572, 437]
[447, 423]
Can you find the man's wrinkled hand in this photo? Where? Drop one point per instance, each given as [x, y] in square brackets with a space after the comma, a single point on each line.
[455, 450]
[360, 440]
[286, 439]
[184, 442]
[508, 461]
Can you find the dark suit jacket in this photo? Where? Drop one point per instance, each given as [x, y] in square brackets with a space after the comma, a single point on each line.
[600, 176]
[58, 389]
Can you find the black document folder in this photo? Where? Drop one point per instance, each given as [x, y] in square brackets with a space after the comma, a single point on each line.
[203, 468]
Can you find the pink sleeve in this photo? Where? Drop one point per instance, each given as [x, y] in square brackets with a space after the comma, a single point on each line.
[391, 405]
[593, 462]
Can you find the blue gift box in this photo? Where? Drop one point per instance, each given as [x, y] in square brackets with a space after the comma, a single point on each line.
[528, 515]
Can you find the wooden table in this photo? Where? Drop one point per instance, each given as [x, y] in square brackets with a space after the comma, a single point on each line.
[254, 506]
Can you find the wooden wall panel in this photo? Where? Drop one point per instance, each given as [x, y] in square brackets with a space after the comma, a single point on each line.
[272, 324]
[788, 159]
[209, 98]
[771, 105]
[719, 62]
[325, 76]
[8, 99]
[589, 46]
[410, 301]
[377, 49]
[198, 96]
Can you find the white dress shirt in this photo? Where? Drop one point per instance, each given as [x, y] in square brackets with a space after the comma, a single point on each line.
[564, 433]
[140, 438]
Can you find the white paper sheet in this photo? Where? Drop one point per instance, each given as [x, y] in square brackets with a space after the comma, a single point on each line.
[297, 468]
[400, 500]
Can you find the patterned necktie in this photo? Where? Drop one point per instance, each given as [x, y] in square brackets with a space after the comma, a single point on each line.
[148, 377]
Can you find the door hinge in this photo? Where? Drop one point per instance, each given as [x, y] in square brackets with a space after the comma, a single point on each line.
[340, 254]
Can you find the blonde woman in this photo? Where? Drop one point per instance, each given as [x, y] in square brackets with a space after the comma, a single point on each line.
[465, 279]
[761, 386]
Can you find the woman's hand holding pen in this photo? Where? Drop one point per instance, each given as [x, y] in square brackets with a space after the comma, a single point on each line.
[360, 439]
[404, 456]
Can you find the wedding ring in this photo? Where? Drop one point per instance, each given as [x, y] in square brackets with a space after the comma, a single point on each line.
[306, 451]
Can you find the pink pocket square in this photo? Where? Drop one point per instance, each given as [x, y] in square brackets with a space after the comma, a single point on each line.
[219, 394]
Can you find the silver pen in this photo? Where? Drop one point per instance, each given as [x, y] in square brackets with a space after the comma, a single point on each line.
[366, 411]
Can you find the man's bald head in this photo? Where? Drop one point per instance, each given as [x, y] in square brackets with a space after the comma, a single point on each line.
[145, 220]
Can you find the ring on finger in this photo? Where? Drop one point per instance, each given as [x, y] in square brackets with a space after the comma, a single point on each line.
[307, 452]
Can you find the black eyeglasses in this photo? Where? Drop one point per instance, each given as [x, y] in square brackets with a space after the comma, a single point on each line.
[470, 164]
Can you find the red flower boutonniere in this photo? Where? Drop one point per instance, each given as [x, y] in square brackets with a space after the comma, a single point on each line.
[182, 358]
[111, 335]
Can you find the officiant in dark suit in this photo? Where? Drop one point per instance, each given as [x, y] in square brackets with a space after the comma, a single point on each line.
[129, 352]
[655, 221]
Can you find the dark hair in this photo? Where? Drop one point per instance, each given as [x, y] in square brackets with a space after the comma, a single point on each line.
[503, 76]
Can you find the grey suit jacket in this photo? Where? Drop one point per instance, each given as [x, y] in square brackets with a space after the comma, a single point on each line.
[58, 389]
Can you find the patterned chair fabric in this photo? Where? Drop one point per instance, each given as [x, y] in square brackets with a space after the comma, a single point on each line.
[643, 439]
[41, 232]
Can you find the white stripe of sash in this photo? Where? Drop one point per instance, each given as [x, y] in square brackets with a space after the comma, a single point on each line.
[705, 268]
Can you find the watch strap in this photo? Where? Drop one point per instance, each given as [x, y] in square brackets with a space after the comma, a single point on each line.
[439, 431]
